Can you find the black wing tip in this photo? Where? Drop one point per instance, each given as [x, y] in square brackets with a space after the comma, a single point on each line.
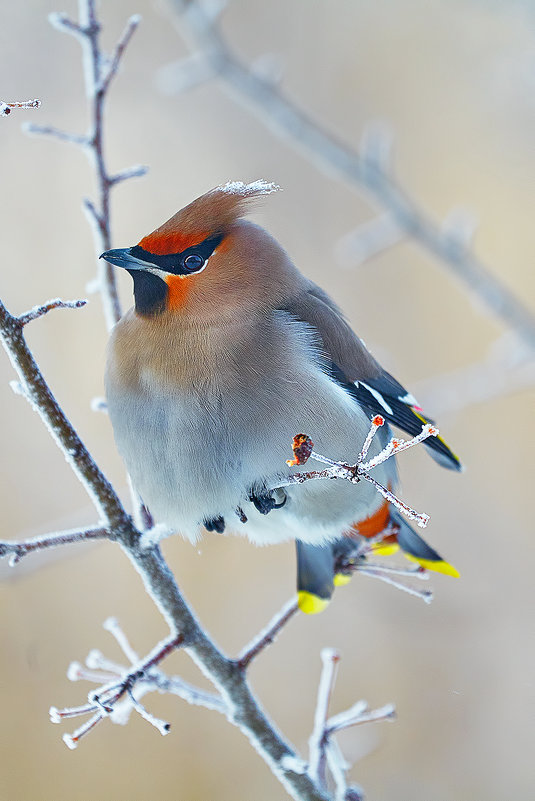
[443, 455]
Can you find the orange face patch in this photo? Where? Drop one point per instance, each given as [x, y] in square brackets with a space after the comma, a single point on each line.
[161, 244]
[178, 290]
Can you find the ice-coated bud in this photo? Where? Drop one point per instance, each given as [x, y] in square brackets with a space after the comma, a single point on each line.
[70, 742]
[74, 670]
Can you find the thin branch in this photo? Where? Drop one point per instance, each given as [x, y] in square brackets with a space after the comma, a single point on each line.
[56, 133]
[330, 659]
[57, 303]
[110, 70]
[507, 368]
[358, 714]
[65, 24]
[160, 725]
[7, 106]
[129, 172]
[303, 450]
[267, 635]
[18, 550]
[424, 595]
[338, 768]
[43, 401]
[369, 240]
[111, 624]
[98, 75]
[354, 168]
[100, 670]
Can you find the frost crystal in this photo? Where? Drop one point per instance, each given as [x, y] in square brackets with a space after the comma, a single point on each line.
[70, 742]
[293, 763]
[259, 187]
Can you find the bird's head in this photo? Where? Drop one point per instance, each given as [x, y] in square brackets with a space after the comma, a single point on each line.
[205, 260]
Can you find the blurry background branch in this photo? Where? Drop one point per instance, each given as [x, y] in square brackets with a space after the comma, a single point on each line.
[6, 107]
[99, 71]
[367, 169]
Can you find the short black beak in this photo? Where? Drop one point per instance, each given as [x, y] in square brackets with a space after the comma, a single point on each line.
[122, 257]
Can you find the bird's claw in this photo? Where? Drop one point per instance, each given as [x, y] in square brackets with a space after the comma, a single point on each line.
[216, 524]
[265, 501]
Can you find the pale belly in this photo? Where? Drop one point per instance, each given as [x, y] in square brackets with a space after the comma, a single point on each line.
[196, 453]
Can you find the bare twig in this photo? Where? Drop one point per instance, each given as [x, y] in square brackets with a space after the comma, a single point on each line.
[39, 395]
[384, 575]
[323, 748]
[507, 368]
[267, 635]
[362, 170]
[39, 311]
[368, 240]
[318, 738]
[18, 550]
[56, 133]
[99, 72]
[358, 471]
[6, 106]
[359, 713]
[100, 670]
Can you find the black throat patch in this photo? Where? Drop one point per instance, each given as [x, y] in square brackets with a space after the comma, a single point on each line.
[150, 293]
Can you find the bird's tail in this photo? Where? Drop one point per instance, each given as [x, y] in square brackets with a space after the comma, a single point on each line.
[321, 568]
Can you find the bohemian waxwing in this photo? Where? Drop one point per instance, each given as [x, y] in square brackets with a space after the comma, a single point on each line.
[228, 353]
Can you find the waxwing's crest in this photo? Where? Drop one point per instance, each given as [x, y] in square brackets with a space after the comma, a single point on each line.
[209, 214]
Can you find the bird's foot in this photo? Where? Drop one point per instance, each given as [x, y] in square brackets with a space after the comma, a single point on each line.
[216, 524]
[267, 500]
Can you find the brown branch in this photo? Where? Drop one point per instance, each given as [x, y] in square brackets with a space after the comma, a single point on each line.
[43, 401]
[6, 106]
[56, 133]
[359, 170]
[318, 738]
[98, 75]
[18, 550]
[40, 311]
[268, 635]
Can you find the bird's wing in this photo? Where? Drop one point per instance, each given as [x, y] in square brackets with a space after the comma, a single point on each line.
[350, 363]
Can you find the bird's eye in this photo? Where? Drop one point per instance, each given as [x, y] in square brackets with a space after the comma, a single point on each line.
[193, 262]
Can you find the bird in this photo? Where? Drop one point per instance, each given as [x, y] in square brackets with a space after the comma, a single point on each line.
[227, 353]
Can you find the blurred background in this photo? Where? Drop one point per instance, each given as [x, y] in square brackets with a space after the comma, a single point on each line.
[454, 81]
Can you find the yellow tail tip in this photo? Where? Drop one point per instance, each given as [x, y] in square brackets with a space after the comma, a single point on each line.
[341, 579]
[438, 566]
[311, 604]
[385, 548]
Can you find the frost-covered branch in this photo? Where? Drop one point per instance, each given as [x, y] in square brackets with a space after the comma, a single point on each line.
[507, 368]
[38, 393]
[17, 550]
[323, 748]
[50, 305]
[366, 169]
[330, 659]
[267, 635]
[303, 450]
[7, 106]
[99, 71]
